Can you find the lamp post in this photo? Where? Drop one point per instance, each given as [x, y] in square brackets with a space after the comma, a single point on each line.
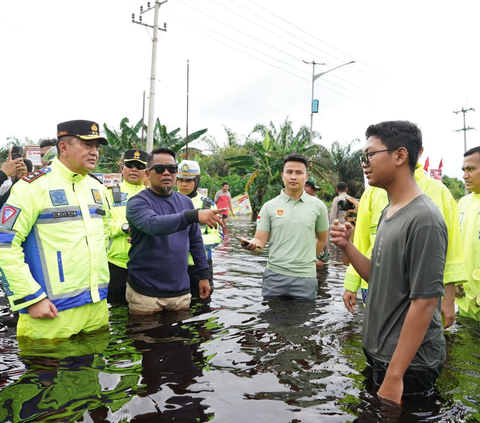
[314, 104]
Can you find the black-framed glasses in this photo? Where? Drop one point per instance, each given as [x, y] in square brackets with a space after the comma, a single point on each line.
[365, 157]
[160, 168]
[138, 165]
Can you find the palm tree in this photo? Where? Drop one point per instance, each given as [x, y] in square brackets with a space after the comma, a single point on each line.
[265, 161]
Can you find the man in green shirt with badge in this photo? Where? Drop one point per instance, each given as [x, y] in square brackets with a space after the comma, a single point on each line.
[296, 227]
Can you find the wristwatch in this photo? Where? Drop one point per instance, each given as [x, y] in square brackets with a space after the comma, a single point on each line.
[125, 228]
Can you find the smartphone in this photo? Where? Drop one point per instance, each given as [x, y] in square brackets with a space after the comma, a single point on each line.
[242, 241]
[17, 152]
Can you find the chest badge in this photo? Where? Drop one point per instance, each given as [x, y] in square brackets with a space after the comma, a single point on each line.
[280, 212]
[58, 197]
[96, 196]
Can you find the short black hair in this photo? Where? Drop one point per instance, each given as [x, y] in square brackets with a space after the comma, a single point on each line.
[160, 150]
[342, 186]
[29, 165]
[225, 183]
[51, 142]
[296, 158]
[472, 151]
[395, 134]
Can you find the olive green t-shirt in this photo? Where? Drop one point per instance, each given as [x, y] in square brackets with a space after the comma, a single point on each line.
[293, 226]
[408, 260]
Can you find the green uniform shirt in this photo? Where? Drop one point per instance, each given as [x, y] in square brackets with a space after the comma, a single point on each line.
[293, 226]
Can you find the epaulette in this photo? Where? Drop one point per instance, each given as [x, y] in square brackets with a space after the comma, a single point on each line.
[35, 174]
[94, 177]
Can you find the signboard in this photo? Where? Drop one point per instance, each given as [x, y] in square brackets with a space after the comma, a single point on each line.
[314, 106]
[241, 205]
[32, 153]
[111, 179]
[436, 174]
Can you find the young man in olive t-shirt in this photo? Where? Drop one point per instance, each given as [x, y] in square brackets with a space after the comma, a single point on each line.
[402, 330]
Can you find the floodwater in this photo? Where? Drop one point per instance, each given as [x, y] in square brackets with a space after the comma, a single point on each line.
[240, 359]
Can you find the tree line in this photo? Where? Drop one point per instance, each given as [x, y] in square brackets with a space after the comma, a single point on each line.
[253, 164]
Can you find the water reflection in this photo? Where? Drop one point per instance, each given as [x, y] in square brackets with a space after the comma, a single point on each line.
[237, 359]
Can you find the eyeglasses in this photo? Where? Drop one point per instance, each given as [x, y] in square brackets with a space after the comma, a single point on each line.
[365, 157]
[138, 165]
[160, 168]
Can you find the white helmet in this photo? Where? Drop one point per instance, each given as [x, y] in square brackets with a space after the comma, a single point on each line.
[188, 169]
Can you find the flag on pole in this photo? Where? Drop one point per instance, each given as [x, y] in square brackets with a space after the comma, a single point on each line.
[427, 165]
[441, 163]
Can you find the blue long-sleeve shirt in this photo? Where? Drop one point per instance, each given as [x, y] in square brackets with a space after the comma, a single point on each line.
[163, 230]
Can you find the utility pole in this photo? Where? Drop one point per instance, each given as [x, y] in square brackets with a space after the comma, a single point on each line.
[464, 129]
[188, 83]
[151, 99]
[314, 78]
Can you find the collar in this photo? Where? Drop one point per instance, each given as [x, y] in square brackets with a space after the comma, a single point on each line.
[419, 172]
[287, 198]
[65, 172]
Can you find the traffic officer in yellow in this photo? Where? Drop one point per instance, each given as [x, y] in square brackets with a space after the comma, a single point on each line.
[187, 183]
[53, 232]
[133, 171]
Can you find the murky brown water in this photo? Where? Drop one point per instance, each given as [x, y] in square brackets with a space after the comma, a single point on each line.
[239, 360]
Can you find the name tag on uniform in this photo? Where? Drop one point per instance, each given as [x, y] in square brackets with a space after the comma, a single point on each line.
[60, 214]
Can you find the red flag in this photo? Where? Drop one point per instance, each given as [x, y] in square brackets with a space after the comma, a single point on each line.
[441, 163]
[427, 165]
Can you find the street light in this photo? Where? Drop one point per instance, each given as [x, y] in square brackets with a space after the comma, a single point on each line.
[314, 104]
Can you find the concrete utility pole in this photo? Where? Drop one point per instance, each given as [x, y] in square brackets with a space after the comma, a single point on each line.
[151, 99]
[188, 94]
[314, 104]
[464, 129]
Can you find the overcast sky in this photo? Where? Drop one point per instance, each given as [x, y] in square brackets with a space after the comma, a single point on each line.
[415, 60]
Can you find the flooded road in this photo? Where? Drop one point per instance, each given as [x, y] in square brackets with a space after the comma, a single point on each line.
[239, 359]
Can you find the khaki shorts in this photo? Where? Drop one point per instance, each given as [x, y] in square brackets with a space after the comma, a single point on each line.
[141, 304]
[86, 318]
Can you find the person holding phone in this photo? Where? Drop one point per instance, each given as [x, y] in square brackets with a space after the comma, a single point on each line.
[295, 225]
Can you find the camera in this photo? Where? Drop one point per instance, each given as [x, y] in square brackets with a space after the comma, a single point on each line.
[17, 152]
[345, 205]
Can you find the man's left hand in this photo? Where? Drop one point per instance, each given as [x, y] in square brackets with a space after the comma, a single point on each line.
[20, 169]
[204, 288]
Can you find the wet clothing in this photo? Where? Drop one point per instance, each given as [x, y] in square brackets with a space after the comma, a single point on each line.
[276, 285]
[335, 212]
[118, 246]
[163, 228]
[469, 207]
[53, 243]
[374, 201]
[407, 263]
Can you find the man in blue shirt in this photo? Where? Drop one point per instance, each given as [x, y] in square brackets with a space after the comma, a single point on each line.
[164, 227]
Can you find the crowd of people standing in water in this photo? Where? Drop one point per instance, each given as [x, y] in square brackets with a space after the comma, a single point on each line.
[69, 245]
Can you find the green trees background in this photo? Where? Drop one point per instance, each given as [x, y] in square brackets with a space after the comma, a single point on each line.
[250, 164]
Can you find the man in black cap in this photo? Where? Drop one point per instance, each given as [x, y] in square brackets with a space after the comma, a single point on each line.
[52, 230]
[133, 167]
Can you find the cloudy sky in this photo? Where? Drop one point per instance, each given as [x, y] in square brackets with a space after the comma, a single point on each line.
[415, 60]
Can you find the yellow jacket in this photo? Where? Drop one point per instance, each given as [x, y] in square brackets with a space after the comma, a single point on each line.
[52, 240]
[469, 207]
[374, 201]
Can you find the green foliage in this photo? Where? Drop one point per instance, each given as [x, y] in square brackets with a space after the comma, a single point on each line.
[456, 187]
[128, 137]
[264, 162]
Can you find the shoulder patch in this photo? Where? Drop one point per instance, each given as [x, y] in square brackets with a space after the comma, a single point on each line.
[34, 175]
[8, 215]
[94, 177]
[96, 196]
